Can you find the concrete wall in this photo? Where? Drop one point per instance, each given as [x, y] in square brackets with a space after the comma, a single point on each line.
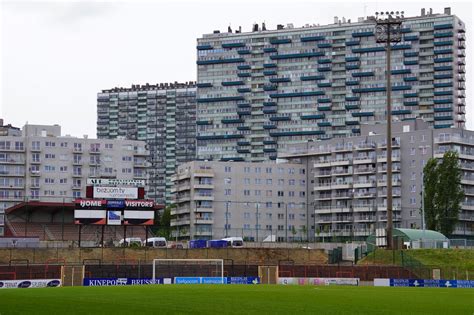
[145, 255]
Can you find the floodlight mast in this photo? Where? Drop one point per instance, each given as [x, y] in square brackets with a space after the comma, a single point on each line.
[387, 31]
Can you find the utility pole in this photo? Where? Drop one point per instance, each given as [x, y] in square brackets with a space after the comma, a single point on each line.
[226, 218]
[388, 30]
[256, 220]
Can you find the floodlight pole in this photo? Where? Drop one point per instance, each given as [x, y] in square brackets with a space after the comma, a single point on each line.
[387, 31]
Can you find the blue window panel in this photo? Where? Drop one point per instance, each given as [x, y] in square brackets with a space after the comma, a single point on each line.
[232, 83]
[244, 105]
[203, 122]
[243, 75]
[243, 151]
[352, 83]
[269, 72]
[352, 98]
[324, 108]
[367, 49]
[447, 117]
[401, 71]
[410, 37]
[401, 112]
[401, 46]
[441, 93]
[204, 47]
[363, 114]
[243, 67]
[242, 128]
[296, 94]
[352, 43]
[324, 100]
[352, 122]
[324, 45]
[352, 59]
[269, 65]
[280, 118]
[243, 52]
[443, 26]
[269, 142]
[297, 133]
[324, 124]
[445, 101]
[269, 50]
[367, 90]
[218, 61]
[409, 95]
[233, 45]
[219, 137]
[443, 126]
[242, 112]
[352, 67]
[220, 99]
[312, 38]
[443, 43]
[269, 110]
[243, 143]
[443, 76]
[446, 84]
[355, 130]
[443, 51]
[312, 78]
[443, 34]
[270, 87]
[325, 84]
[410, 62]
[445, 59]
[405, 30]
[232, 121]
[204, 85]
[235, 159]
[443, 68]
[363, 74]
[350, 107]
[443, 109]
[269, 103]
[324, 69]
[268, 150]
[362, 34]
[267, 127]
[315, 116]
[410, 79]
[401, 87]
[410, 103]
[297, 55]
[279, 80]
[243, 90]
[410, 54]
[324, 61]
[280, 41]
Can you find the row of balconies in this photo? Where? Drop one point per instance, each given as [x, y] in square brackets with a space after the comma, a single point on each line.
[356, 184]
[354, 208]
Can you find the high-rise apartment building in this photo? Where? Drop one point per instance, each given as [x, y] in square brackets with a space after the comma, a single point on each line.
[348, 185]
[162, 115]
[259, 91]
[42, 165]
[251, 200]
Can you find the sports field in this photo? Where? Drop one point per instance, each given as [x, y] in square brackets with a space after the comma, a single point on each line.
[236, 299]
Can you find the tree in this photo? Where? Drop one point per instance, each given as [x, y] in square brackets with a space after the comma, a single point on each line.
[442, 193]
[164, 228]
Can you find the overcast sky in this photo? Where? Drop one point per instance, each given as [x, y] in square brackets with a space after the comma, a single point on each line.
[56, 56]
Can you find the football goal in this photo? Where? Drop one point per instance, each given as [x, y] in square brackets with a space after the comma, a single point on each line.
[189, 270]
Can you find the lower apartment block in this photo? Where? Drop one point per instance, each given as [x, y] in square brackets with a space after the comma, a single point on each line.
[255, 201]
[348, 181]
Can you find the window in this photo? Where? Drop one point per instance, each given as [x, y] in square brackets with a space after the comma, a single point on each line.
[246, 192]
[268, 227]
[35, 157]
[76, 194]
[291, 193]
[423, 138]
[63, 180]
[258, 192]
[49, 168]
[281, 216]
[246, 169]
[35, 145]
[268, 170]
[269, 181]
[247, 215]
[247, 181]
[258, 170]
[281, 193]
[246, 226]
[281, 170]
[126, 171]
[228, 192]
[302, 194]
[412, 139]
[268, 204]
[413, 201]
[281, 182]
[50, 156]
[227, 169]
[302, 171]
[291, 182]
[50, 144]
[227, 180]
[269, 193]
[291, 216]
[413, 188]
[127, 158]
[281, 227]
[63, 144]
[412, 151]
[302, 182]
[109, 145]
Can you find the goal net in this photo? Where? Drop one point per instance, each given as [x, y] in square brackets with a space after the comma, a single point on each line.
[204, 271]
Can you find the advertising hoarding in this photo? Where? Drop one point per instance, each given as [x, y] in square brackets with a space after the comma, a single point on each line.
[115, 192]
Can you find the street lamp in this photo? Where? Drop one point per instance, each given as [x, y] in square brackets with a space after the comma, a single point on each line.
[388, 30]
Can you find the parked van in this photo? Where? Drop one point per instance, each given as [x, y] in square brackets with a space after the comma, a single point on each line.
[129, 241]
[234, 241]
[156, 242]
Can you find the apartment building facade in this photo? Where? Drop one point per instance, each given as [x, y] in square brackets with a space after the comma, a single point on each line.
[261, 91]
[252, 200]
[348, 178]
[42, 165]
[162, 115]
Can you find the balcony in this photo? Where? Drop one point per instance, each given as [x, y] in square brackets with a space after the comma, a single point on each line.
[364, 184]
[395, 169]
[383, 207]
[94, 151]
[203, 173]
[323, 197]
[182, 187]
[140, 164]
[204, 210]
[341, 185]
[363, 160]
[345, 195]
[179, 222]
[364, 195]
[74, 187]
[141, 152]
[383, 158]
[363, 208]
[364, 170]
[203, 185]
[323, 174]
[340, 162]
[203, 233]
[34, 173]
[12, 161]
[182, 210]
[383, 182]
[322, 163]
[341, 172]
[203, 221]
[203, 197]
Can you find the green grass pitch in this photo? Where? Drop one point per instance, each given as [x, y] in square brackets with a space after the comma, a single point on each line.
[236, 299]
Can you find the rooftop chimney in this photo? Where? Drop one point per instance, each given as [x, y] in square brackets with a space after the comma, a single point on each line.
[447, 11]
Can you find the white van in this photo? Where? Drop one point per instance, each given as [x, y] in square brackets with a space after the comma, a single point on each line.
[129, 241]
[156, 242]
[234, 242]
